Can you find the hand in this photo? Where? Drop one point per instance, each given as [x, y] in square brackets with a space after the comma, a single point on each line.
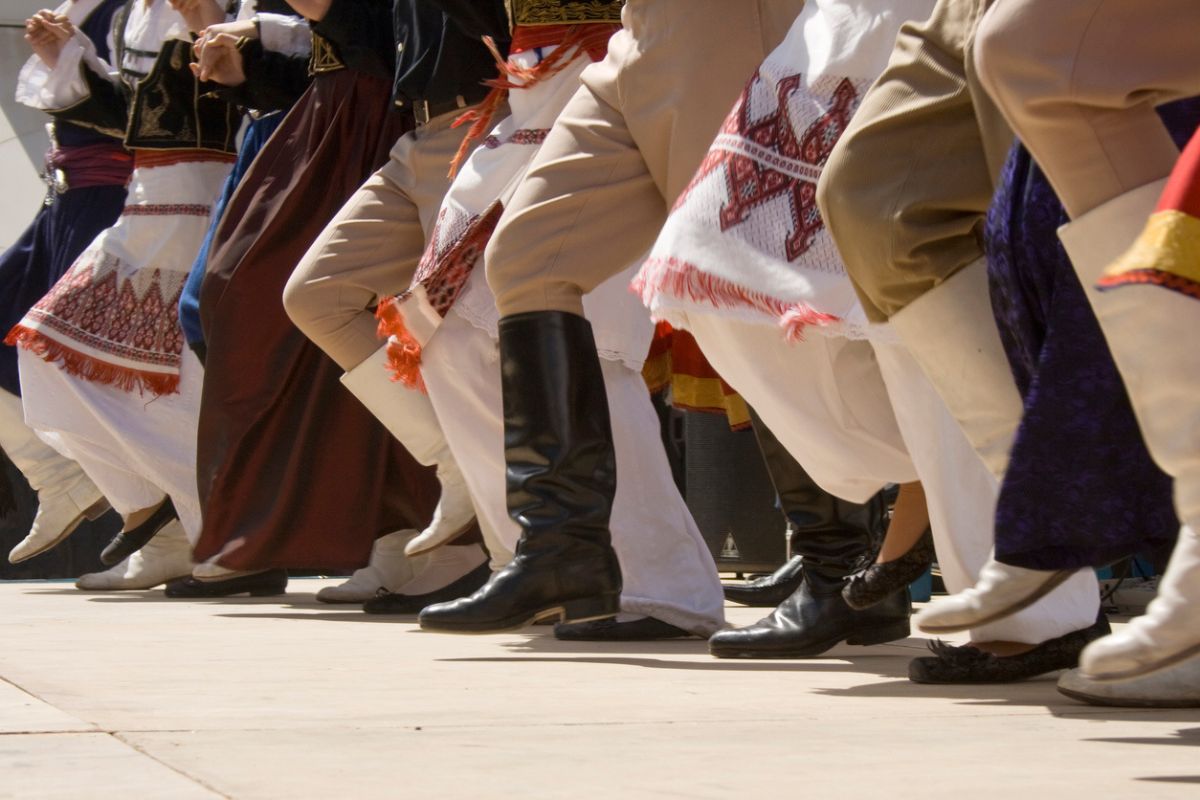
[241, 28]
[199, 14]
[219, 60]
[46, 33]
[314, 10]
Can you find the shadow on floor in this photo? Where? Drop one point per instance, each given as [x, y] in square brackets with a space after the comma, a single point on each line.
[1037, 692]
[886, 667]
[1187, 737]
[348, 614]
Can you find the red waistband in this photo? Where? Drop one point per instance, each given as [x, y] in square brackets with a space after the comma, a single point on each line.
[143, 159]
[100, 164]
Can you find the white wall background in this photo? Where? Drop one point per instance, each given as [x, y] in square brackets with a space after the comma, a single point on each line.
[23, 139]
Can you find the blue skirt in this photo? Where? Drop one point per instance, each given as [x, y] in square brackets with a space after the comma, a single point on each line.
[257, 133]
[47, 249]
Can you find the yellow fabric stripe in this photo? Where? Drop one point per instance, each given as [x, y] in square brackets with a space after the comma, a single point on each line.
[1170, 242]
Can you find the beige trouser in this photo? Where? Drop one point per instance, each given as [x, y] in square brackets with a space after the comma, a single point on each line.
[1079, 81]
[907, 187]
[372, 246]
[626, 145]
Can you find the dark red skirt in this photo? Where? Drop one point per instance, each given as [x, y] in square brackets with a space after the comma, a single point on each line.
[293, 471]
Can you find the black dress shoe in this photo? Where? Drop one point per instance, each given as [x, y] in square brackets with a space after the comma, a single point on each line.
[386, 602]
[126, 543]
[268, 583]
[646, 629]
[870, 586]
[966, 664]
[769, 590]
[812, 621]
[527, 591]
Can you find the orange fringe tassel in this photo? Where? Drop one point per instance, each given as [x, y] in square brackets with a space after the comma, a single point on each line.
[89, 369]
[577, 42]
[404, 352]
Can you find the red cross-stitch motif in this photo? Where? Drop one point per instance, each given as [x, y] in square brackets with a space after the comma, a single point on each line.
[752, 183]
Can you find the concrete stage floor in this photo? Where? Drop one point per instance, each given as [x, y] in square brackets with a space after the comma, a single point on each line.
[133, 696]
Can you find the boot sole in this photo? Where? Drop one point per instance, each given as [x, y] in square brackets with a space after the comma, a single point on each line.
[271, 592]
[1117, 702]
[1149, 669]
[97, 509]
[132, 588]
[587, 609]
[864, 638]
[341, 602]
[1058, 579]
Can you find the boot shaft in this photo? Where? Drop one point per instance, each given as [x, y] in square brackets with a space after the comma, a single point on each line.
[561, 467]
[834, 536]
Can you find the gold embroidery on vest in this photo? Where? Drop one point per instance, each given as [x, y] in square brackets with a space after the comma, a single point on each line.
[324, 56]
[558, 12]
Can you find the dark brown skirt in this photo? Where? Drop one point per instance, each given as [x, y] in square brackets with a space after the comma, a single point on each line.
[293, 471]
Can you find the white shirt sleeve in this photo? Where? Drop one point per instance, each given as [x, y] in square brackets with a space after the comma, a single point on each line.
[40, 87]
[283, 34]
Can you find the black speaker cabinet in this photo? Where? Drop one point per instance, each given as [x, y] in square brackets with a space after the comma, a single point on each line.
[731, 496]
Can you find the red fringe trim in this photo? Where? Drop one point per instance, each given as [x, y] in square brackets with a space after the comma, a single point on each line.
[88, 368]
[404, 352]
[143, 158]
[687, 282]
[1151, 277]
[577, 41]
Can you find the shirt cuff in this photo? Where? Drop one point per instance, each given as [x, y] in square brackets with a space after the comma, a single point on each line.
[279, 33]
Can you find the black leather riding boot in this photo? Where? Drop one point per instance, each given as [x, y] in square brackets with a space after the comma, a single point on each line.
[561, 474]
[813, 620]
[810, 511]
[832, 539]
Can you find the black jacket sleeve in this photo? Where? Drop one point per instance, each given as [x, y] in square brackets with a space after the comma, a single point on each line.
[105, 109]
[477, 18]
[361, 30]
[274, 81]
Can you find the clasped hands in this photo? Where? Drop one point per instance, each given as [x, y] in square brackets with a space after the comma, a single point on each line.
[46, 33]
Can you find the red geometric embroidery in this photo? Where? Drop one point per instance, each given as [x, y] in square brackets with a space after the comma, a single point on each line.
[103, 330]
[526, 136]
[445, 268]
[752, 183]
[90, 306]
[176, 210]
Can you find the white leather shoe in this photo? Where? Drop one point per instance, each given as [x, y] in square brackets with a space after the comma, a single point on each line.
[389, 568]
[454, 513]
[1147, 328]
[443, 567]
[59, 513]
[167, 556]
[1166, 635]
[1173, 687]
[66, 496]
[409, 416]
[1000, 591]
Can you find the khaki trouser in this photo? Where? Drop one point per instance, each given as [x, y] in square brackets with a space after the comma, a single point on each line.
[1079, 81]
[626, 145]
[906, 189]
[372, 246]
